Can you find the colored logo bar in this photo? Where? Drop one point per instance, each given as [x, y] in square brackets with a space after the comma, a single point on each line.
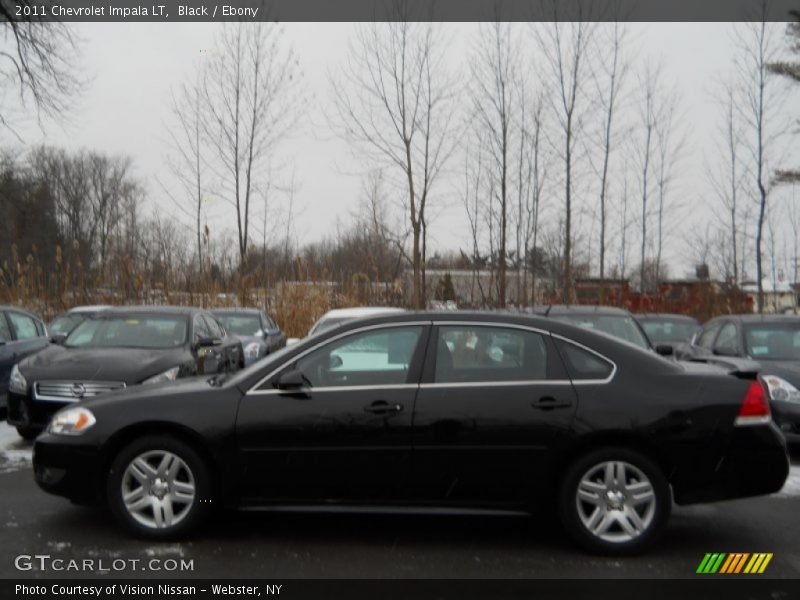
[734, 563]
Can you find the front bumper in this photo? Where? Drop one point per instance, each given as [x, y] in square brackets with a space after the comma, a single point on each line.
[26, 412]
[787, 417]
[68, 467]
[755, 464]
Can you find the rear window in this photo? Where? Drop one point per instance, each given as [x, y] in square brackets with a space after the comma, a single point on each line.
[583, 364]
[669, 330]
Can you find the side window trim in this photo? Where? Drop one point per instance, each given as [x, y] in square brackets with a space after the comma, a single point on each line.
[414, 370]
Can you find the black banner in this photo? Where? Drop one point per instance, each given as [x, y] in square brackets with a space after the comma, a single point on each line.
[399, 10]
[730, 588]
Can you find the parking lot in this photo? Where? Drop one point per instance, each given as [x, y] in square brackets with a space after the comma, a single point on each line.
[305, 545]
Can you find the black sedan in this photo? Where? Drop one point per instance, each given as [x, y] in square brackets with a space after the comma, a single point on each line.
[21, 334]
[772, 343]
[114, 349]
[427, 410]
[259, 334]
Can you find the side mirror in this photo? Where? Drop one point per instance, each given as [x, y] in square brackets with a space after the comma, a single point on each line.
[665, 349]
[58, 338]
[292, 380]
[207, 342]
[335, 361]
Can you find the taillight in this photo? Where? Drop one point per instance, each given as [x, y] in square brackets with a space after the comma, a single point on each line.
[755, 407]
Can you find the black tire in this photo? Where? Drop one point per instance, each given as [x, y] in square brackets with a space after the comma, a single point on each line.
[617, 506]
[198, 473]
[28, 432]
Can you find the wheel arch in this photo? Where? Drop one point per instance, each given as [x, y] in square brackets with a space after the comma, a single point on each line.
[188, 436]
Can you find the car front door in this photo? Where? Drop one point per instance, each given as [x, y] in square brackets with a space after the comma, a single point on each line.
[346, 434]
[493, 400]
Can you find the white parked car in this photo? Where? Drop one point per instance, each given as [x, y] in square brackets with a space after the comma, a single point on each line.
[338, 316]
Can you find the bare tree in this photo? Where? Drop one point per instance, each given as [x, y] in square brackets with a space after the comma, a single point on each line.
[645, 147]
[564, 47]
[756, 44]
[252, 101]
[496, 96]
[37, 59]
[727, 181]
[609, 78]
[187, 160]
[394, 100]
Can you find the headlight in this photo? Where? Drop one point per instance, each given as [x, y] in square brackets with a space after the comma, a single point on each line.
[252, 350]
[780, 389]
[168, 375]
[17, 382]
[72, 421]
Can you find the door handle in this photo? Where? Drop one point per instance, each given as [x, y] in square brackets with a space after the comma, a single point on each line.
[381, 407]
[549, 403]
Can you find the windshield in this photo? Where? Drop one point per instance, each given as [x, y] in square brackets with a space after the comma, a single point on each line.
[65, 323]
[773, 341]
[130, 331]
[669, 330]
[242, 324]
[620, 326]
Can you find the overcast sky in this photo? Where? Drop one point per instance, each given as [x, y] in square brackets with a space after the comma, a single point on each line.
[134, 66]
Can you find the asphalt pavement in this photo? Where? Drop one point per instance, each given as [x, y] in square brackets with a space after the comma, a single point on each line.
[314, 545]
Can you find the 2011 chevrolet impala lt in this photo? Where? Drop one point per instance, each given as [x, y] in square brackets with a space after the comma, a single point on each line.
[455, 410]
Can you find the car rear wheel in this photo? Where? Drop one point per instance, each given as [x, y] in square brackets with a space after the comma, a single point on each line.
[614, 501]
[159, 487]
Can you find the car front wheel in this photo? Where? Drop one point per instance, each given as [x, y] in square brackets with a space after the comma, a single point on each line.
[614, 501]
[159, 487]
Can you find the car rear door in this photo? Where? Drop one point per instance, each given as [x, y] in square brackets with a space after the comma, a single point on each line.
[493, 401]
[346, 436]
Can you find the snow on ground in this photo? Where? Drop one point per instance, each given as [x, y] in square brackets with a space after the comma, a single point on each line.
[15, 453]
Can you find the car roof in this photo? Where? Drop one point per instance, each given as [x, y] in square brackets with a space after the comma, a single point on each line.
[154, 309]
[89, 308]
[670, 316]
[231, 310]
[578, 309]
[361, 311]
[756, 318]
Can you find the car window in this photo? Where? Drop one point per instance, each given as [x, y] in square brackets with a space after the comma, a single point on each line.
[706, 339]
[65, 323]
[773, 341]
[241, 323]
[467, 353]
[377, 357]
[24, 326]
[5, 332]
[727, 339]
[582, 364]
[200, 327]
[214, 327]
[669, 330]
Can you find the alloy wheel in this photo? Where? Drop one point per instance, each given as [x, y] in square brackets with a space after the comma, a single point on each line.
[158, 489]
[616, 501]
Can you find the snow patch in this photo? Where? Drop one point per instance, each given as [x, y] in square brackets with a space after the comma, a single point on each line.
[15, 453]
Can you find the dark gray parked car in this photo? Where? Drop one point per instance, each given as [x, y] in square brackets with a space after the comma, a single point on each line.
[21, 334]
[772, 344]
[259, 334]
